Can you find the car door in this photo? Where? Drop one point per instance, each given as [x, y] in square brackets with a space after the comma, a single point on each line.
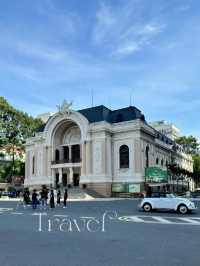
[167, 202]
[155, 200]
[162, 204]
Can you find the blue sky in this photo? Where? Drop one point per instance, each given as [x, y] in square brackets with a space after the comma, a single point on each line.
[56, 49]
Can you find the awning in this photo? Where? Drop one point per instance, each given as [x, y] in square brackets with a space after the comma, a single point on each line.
[157, 184]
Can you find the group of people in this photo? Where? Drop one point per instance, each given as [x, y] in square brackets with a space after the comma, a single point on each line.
[43, 196]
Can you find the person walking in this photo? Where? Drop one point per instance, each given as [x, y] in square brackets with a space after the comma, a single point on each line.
[52, 202]
[58, 197]
[26, 196]
[44, 197]
[34, 199]
[65, 198]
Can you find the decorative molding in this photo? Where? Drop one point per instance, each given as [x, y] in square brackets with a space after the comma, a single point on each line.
[64, 108]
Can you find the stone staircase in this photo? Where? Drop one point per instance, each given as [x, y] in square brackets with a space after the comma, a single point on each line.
[78, 193]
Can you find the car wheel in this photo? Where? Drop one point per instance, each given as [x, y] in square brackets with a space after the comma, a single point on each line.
[147, 207]
[182, 209]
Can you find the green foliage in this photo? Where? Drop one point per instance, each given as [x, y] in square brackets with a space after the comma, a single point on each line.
[11, 189]
[15, 127]
[190, 144]
[5, 169]
[196, 159]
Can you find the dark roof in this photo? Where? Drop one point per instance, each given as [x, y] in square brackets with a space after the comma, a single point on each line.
[102, 113]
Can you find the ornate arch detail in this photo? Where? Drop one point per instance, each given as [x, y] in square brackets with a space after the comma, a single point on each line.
[73, 135]
[56, 120]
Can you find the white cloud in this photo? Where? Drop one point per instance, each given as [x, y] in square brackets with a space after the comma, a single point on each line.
[105, 21]
[38, 51]
[60, 20]
[127, 48]
[134, 40]
[123, 30]
[183, 8]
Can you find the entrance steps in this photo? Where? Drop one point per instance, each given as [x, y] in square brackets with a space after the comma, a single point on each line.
[78, 193]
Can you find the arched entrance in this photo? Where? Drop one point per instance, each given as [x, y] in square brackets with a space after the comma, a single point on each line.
[66, 154]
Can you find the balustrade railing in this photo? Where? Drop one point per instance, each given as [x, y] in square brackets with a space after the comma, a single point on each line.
[74, 160]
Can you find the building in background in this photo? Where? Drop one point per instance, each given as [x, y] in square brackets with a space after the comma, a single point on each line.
[166, 128]
[7, 157]
[105, 150]
[45, 116]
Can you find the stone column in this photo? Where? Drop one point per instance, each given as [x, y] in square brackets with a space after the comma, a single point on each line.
[71, 175]
[137, 156]
[48, 160]
[53, 177]
[104, 157]
[88, 162]
[70, 152]
[83, 157]
[60, 175]
[27, 165]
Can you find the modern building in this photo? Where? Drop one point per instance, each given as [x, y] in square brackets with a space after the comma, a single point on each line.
[166, 128]
[98, 148]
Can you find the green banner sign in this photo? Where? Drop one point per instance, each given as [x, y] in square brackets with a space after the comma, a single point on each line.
[134, 188]
[156, 175]
[118, 187]
[125, 188]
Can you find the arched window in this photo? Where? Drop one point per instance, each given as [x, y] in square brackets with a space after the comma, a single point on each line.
[147, 156]
[157, 161]
[33, 165]
[124, 156]
[162, 162]
[57, 155]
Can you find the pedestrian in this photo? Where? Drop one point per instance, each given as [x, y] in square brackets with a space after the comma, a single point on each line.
[34, 199]
[26, 196]
[52, 202]
[44, 197]
[65, 198]
[58, 197]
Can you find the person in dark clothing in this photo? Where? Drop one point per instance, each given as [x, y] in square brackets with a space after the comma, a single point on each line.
[65, 198]
[58, 197]
[44, 197]
[26, 196]
[52, 202]
[34, 199]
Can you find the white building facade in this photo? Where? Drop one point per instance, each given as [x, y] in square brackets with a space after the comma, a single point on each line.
[97, 148]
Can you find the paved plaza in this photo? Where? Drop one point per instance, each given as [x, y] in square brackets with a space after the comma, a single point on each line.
[97, 233]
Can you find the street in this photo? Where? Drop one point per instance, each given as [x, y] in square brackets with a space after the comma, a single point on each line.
[97, 233]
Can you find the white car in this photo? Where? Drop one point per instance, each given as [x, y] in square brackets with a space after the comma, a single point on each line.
[167, 201]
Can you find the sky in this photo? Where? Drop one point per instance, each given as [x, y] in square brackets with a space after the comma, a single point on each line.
[140, 52]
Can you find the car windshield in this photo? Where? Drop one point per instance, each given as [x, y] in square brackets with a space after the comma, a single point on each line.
[170, 195]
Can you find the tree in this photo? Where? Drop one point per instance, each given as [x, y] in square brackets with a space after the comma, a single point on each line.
[15, 127]
[190, 144]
